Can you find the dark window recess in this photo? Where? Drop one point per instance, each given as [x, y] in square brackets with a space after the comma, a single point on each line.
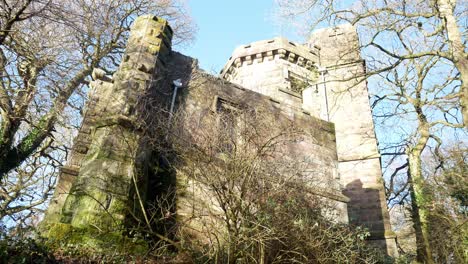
[298, 83]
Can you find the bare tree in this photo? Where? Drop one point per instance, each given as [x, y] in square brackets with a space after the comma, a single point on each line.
[54, 65]
[393, 31]
[424, 110]
[13, 12]
[47, 54]
[25, 191]
[416, 60]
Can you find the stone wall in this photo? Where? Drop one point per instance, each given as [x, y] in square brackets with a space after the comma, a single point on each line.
[94, 189]
[314, 154]
[349, 109]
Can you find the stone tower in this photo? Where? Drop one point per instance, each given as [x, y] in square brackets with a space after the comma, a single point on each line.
[324, 78]
[93, 192]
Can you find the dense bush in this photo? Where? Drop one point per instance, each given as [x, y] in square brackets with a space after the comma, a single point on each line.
[28, 250]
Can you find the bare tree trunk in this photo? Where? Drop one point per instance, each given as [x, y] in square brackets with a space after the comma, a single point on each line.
[420, 197]
[12, 156]
[14, 17]
[416, 219]
[460, 58]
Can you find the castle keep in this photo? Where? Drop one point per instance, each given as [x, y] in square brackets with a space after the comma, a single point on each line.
[314, 86]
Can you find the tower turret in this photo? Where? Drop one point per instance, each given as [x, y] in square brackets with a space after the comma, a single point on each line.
[325, 77]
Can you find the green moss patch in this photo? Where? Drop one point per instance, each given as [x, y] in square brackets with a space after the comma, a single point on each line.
[65, 237]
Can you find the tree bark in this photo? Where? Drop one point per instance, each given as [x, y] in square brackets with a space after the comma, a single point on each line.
[457, 48]
[420, 195]
[12, 156]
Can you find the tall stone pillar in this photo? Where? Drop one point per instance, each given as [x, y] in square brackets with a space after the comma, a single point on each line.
[94, 188]
[349, 109]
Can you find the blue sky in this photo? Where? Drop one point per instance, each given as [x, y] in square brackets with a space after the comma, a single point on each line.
[224, 25]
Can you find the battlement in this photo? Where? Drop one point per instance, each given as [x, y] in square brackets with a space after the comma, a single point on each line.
[277, 68]
[279, 48]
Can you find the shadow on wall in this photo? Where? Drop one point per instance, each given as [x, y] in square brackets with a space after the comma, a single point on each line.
[364, 209]
[160, 178]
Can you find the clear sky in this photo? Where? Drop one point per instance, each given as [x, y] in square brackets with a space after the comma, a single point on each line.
[224, 25]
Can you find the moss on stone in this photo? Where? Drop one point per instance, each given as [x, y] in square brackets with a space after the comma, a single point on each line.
[58, 231]
[96, 207]
[60, 236]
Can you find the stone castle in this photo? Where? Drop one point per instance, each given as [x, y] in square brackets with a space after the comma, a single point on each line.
[315, 85]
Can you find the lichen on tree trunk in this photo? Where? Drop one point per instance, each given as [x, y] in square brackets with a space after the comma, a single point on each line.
[420, 195]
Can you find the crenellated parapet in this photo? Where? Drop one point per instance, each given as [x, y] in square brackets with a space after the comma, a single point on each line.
[277, 68]
[269, 50]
